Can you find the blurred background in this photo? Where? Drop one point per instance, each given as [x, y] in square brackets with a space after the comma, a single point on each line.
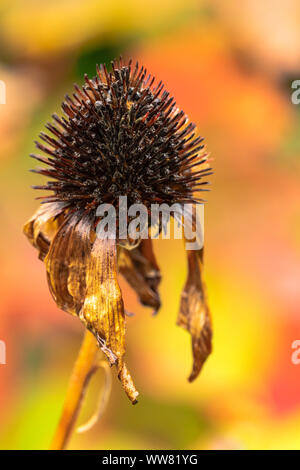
[230, 66]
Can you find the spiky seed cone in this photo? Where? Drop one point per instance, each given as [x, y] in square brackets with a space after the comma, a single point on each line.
[121, 135]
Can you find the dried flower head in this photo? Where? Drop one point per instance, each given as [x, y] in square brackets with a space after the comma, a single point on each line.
[121, 135]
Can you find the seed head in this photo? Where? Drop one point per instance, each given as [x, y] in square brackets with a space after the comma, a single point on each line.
[122, 135]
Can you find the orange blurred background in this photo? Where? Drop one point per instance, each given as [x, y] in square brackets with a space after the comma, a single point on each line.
[230, 66]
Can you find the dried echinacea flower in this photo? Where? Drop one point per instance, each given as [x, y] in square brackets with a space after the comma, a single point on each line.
[121, 135]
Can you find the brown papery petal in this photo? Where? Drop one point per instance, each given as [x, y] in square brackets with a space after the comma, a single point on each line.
[103, 309]
[67, 261]
[42, 226]
[140, 269]
[194, 313]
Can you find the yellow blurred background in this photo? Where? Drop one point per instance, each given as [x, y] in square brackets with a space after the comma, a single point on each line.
[230, 66]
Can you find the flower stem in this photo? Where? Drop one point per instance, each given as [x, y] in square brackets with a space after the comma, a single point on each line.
[84, 367]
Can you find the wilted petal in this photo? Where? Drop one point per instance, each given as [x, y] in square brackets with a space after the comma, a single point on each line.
[127, 383]
[103, 309]
[67, 261]
[141, 271]
[194, 313]
[42, 226]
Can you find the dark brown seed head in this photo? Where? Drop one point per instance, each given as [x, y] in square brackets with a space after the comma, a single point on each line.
[121, 135]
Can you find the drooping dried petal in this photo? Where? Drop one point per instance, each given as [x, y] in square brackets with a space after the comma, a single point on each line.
[140, 269]
[194, 313]
[127, 382]
[103, 309]
[42, 226]
[67, 260]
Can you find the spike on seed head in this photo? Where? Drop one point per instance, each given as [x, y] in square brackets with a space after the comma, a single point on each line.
[121, 135]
